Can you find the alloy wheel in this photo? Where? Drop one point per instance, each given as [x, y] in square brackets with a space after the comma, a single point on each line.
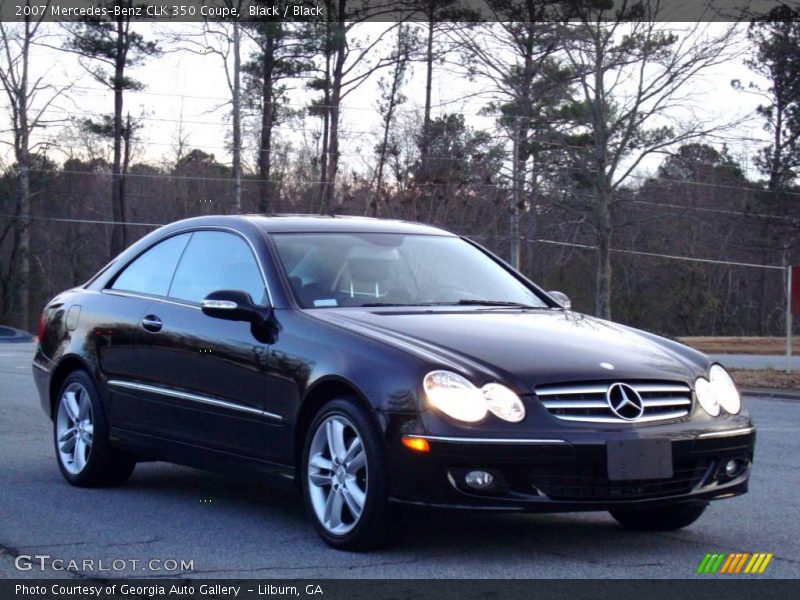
[337, 474]
[74, 428]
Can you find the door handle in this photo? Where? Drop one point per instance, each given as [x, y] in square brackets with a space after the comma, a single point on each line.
[152, 323]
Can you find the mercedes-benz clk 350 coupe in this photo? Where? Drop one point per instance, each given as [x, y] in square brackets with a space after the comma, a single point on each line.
[378, 363]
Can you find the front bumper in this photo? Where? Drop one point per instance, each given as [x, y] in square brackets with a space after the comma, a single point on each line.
[567, 472]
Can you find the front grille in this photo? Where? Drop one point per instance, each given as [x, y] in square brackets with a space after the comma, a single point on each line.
[590, 482]
[587, 402]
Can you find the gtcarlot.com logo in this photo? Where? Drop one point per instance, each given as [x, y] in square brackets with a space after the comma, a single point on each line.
[736, 563]
[44, 562]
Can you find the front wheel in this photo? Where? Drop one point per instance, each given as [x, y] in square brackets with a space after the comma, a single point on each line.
[344, 478]
[664, 518]
[80, 432]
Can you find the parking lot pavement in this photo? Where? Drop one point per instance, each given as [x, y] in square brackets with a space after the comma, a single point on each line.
[236, 527]
[755, 361]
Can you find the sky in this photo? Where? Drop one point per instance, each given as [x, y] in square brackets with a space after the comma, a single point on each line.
[192, 88]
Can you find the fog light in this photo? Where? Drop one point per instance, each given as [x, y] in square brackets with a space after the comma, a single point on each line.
[479, 480]
[733, 468]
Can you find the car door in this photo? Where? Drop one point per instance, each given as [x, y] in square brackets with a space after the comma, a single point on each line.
[204, 380]
[119, 317]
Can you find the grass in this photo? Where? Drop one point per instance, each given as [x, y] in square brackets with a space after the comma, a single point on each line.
[766, 379]
[741, 345]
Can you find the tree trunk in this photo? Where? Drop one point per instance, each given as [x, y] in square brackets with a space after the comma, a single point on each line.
[335, 100]
[424, 147]
[267, 121]
[237, 120]
[127, 132]
[24, 227]
[118, 234]
[602, 306]
[326, 110]
[603, 191]
[23, 164]
[518, 179]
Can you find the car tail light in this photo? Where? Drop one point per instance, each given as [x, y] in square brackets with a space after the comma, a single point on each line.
[42, 323]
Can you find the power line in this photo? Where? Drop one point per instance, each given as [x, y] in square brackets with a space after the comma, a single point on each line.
[656, 254]
[525, 239]
[89, 221]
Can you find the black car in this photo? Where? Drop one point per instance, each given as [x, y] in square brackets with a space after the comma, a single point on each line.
[379, 363]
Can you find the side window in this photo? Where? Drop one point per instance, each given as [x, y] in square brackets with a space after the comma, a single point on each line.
[152, 272]
[213, 261]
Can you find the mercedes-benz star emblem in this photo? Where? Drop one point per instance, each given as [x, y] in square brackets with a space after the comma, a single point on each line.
[624, 401]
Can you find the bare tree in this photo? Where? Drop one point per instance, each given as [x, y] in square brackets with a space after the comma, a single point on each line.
[28, 100]
[224, 40]
[283, 51]
[526, 85]
[633, 72]
[391, 98]
[110, 49]
[348, 61]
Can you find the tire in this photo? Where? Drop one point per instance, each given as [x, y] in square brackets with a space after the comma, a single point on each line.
[664, 518]
[335, 476]
[80, 436]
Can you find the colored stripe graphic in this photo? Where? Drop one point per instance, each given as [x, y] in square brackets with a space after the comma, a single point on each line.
[701, 568]
[726, 566]
[733, 563]
[740, 564]
[766, 562]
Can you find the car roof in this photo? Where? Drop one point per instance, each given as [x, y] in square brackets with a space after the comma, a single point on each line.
[339, 223]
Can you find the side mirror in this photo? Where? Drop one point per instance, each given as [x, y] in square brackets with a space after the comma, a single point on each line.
[234, 305]
[561, 298]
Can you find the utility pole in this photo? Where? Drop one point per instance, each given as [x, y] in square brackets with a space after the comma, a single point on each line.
[789, 319]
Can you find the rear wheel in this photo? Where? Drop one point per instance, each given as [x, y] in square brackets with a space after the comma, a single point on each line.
[344, 478]
[80, 434]
[664, 518]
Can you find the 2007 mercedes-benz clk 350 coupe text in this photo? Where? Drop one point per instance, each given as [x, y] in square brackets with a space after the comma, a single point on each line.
[378, 363]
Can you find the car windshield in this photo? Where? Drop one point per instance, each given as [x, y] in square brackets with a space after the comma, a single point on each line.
[327, 270]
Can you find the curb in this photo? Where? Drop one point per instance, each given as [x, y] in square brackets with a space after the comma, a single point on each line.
[771, 393]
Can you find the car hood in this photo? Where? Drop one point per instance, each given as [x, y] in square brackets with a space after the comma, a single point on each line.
[525, 347]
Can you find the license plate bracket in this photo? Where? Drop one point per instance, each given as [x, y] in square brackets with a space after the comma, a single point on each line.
[629, 460]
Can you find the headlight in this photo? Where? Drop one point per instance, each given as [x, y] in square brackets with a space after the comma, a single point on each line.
[725, 390]
[503, 402]
[718, 393]
[455, 396]
[706, 396]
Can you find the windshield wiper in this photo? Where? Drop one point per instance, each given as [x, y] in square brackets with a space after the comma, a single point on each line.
[462, 302]
[470, 302]
[473, 302]
[375, 304]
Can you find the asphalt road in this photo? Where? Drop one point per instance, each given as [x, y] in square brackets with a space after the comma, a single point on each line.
[233, 527]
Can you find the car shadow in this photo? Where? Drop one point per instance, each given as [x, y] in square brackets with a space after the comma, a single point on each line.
[419, 529]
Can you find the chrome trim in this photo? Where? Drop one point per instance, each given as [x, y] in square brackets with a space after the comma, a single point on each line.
[601, 419]
[596, 398]
[219, 304]
[576, 404]
[727, 432]
[146, 297]
[40, 367]
[666, 402]
[642, 388]
[645, 388]
[241, 235]
[577, 389]
[470, 440]
[194, 397]
[192, 229]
